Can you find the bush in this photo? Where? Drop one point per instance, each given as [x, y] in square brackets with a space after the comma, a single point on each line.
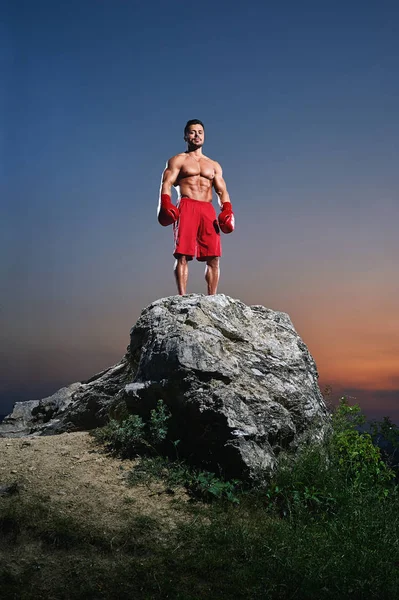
[357, 459]
[158, 424]
[132, 435]
[323, 479]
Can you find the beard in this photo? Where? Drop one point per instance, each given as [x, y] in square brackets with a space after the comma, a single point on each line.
[195, 145]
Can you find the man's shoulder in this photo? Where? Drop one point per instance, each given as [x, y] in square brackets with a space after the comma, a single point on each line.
[215, 164]
[177, 158]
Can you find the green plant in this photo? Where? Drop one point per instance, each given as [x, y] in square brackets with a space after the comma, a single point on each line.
[123, 438]
[158, 424]
[132, 435]
[346, 416]
[203, 485]
[324, 479]
[208, 486]
[355, 455]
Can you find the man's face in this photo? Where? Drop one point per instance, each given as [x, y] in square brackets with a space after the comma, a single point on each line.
[195, 135]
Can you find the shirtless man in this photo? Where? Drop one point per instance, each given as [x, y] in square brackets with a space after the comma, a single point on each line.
[196, 226]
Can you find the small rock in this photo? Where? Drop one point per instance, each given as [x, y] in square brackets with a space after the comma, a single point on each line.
[8, 490]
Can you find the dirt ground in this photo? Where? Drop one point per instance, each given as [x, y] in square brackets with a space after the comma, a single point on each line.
[77, 477]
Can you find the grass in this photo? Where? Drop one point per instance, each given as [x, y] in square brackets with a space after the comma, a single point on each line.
[326, 527]
[222, 551]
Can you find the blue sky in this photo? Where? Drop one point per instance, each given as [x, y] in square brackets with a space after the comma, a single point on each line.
[300, 105]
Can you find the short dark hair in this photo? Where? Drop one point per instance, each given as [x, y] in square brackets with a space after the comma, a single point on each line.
[192, 122]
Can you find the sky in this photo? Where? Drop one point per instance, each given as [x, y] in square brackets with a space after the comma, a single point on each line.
[300, 105]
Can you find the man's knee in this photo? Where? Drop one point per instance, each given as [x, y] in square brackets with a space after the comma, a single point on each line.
[181, 259]
[213, 263]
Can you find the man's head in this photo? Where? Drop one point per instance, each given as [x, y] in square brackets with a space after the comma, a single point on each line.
[194, 133]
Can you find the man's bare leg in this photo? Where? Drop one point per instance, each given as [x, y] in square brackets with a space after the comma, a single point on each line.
[181, 274]
[212, 274]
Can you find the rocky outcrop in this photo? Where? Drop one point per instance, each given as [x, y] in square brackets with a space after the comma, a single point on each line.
[80, 406]
[239, 382]
[18, 422]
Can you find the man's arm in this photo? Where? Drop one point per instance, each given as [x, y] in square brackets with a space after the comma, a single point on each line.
[226, 218]
[167, 212]
[220, 185]
[170, 174]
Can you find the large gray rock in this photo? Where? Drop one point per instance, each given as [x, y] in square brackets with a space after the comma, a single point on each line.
[238, 380]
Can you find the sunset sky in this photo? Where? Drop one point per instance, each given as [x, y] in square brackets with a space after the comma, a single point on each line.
[300, 102]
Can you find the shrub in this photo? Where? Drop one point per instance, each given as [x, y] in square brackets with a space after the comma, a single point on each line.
[356, 457]
[132, 435]
[323, 479]
[158, 424]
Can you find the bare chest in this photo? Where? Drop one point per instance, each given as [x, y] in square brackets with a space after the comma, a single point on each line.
[203, 167]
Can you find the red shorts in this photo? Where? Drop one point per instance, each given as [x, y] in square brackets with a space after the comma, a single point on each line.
[197, 231]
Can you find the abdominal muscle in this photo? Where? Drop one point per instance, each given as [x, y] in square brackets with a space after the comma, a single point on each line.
[195, 187]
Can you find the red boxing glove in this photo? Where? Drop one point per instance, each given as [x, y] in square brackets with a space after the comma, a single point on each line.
[168, 213]
[226, 218]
